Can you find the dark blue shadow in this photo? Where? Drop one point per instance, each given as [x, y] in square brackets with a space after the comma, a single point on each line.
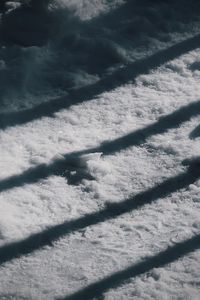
[118, 78]
[86, 47]
[195, 133]
[111, 211]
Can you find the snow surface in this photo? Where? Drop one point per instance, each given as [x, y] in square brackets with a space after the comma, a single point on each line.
[100, 150]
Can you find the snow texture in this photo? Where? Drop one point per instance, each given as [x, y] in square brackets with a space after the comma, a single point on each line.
[100, 150]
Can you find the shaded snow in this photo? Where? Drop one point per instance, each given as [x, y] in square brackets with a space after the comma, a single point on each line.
[99, 144]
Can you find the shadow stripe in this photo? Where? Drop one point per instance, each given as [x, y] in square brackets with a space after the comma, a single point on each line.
[161, 259]
[118, 78]
[112, 211]
[72, 160]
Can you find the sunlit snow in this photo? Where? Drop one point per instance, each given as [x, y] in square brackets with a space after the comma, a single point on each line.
[100, 150]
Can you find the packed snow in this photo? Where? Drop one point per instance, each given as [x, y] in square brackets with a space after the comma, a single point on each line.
[100, 150]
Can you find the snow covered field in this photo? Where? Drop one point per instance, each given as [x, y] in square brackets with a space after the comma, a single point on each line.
[100, 150]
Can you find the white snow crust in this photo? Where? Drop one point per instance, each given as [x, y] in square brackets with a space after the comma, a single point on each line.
[100, 151]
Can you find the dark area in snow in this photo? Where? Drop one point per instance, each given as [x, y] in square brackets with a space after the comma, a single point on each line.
[49, 50]
[117, 78]
[26, 27]
[89, 58]
[111, 211]
[173, 253]
[195, 133]
[71, 162]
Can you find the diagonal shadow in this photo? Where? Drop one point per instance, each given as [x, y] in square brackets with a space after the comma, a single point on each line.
[72, 161]
[171, 254]
[195, 133]
[165, 123]
[82, 48]
[62, 167]
[111, 211]
[87, 93]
